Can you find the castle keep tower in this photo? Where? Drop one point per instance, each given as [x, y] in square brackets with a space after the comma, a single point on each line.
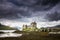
[34, 24]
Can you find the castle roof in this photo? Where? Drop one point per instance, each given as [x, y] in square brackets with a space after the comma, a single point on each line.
[33, 22]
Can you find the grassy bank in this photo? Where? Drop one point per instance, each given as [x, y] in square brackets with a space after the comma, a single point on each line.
[35, 36]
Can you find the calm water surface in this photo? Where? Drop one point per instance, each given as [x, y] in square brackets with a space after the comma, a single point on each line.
[8, 33]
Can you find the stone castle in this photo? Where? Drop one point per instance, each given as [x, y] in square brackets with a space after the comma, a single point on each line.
[31, 27]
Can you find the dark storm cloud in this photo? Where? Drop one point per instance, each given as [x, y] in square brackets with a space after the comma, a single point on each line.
[24, 8]
[36, 4]
[53, 16]
[18, 12]
[9, 10]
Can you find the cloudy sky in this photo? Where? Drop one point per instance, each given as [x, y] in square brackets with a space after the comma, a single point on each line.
[18, 12]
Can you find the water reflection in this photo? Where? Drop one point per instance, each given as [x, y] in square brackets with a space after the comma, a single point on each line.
[7, 30]
[10, 35]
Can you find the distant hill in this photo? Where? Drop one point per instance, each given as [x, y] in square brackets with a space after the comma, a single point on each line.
[57, 26]
[3, 27]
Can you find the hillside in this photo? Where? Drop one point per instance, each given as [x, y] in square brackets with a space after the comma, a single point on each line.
[3, 27]
[57, 26]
